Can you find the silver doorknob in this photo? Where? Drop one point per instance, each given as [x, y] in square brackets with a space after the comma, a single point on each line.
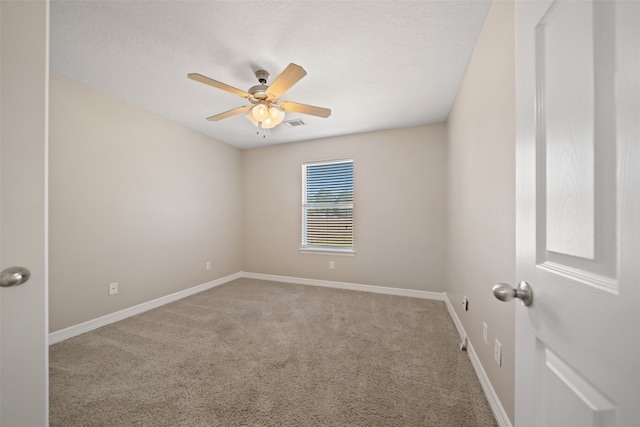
[504, 292]
[14, 276]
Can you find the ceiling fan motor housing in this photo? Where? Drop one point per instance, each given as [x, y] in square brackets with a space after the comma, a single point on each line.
[259, 92]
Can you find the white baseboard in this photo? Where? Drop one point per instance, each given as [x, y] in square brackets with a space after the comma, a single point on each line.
[496, 407]
[439, 296]
[81, 328]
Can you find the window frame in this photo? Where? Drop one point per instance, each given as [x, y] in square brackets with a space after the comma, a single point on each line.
[326, 250]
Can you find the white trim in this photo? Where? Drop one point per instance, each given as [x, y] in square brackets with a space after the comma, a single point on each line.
[72, 331]
[439, 296]
[81, 328]
[587, 278]
[327, 251]
[494, 402]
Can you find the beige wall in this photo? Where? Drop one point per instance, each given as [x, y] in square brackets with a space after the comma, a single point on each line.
[481, 129]
[134, 199]
[399, 209]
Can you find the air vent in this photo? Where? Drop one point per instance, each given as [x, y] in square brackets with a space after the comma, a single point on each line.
[294, 123]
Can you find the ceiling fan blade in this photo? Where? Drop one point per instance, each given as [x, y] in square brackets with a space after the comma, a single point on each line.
[286, 79]
[304, 109]
[206, 80]
[229, 113]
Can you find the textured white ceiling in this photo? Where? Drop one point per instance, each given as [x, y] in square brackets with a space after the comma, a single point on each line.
[377, 64]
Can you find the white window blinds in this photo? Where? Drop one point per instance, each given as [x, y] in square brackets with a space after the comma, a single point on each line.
[327, 205]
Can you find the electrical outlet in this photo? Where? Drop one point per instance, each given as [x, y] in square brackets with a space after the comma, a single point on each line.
[485, 332]
[113, 288]
[207, 266]
[331, 265]
[497, 353]
[465, 303]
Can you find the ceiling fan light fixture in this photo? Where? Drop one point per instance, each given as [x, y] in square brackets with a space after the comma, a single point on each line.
[269, 123]
[260, 112]
[249, 116]
[276, 115]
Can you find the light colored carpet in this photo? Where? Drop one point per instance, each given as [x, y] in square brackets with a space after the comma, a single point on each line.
[259, 353]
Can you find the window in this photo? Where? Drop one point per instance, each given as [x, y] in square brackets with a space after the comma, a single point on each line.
[327, 206]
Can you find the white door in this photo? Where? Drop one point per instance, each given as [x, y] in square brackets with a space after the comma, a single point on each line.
[578, 213]
[23, 136]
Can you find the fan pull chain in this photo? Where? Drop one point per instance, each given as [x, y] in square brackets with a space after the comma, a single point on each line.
[258, 131]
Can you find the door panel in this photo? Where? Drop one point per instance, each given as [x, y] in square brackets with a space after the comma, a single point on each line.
[575, 119]
[23, 155]
[578, 169]
[564, 62]
[570, 399]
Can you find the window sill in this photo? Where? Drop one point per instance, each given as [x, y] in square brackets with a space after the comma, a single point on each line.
[327, 251]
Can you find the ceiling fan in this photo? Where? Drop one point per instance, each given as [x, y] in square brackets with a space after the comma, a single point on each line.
[266, 109]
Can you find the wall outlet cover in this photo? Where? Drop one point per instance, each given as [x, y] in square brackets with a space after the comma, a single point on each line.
[113, 288]
[497, 353]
